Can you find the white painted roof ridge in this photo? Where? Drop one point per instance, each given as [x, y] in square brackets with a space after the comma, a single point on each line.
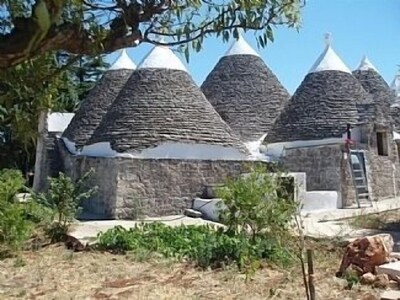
[241, 47]
[162, 57]
[123, 61]
[366, 65]
[329, 60]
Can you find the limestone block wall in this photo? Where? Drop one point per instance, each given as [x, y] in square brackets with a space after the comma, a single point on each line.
[321, 163]
[166, 186]
[383, 171]
[326, 169]
[130, 188]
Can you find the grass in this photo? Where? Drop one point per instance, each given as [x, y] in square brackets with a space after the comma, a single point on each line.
[54, 273]
[389, 220]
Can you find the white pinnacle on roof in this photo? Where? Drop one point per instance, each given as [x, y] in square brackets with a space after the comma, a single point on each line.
[395, 85]
[366, 65]
[329, 60]
[161, 57]
[241, 47]
[123, 61]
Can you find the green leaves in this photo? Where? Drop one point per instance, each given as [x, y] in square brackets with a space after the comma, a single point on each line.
[258, 202]
[203, 245]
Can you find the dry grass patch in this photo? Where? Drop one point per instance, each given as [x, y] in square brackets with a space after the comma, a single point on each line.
[56, 273]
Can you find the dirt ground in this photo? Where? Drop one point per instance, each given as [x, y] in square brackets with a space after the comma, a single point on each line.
[57, 273]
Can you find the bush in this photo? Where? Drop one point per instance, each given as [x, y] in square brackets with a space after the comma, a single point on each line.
[14, 227]
[202, 245]
[11, 183]
[64, 198]
[259, 202]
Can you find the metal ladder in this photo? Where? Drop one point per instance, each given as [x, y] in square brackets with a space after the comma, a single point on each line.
[357, 164]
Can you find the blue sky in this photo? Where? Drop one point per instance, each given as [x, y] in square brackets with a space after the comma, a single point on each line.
[358, 27]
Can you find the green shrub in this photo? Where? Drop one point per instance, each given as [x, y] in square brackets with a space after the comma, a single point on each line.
[14, 227]
[64, 198]
[11, 183]
[258, 201]
[202, 245]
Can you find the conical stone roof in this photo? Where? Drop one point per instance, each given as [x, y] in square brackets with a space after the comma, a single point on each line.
[375, 85]
[328, 99]
[160, 105]
[245, 92]
[95, 106]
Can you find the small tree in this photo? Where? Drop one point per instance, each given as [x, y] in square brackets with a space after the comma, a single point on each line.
[256, 202]
[65, 197]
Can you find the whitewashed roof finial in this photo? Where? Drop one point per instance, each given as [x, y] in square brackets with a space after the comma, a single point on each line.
[366, 65]
[123, 61]
[162, 57]
[241, 47]
[329, 60]
[328, 39]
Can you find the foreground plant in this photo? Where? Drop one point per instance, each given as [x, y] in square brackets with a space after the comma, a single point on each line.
[204, 246]
[258, 201]
[65, 198]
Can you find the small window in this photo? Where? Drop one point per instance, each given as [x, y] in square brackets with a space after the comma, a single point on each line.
[382, 143]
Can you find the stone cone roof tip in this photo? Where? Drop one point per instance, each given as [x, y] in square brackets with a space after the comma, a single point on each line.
[241, 47]
[245, 92]
[328, 99]
[329, 60]
[159, 106]
[377, 87]
[123, 61]
[162, 57]
[366, 65]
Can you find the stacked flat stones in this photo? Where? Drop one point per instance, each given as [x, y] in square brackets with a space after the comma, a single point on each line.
[395, 106]
[245, 92]
[326, 101]
[161, 104]
[95, 106]
[375, 85]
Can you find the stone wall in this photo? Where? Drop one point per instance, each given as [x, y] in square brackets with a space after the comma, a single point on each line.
[51, 163]
[383, 171]
[327, 168]
[130, 187]
[321, 163]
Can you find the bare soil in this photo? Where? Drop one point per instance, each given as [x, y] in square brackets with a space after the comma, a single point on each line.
[57, 273]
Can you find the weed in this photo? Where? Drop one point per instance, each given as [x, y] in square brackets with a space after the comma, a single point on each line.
[203, 245]
[19, 262]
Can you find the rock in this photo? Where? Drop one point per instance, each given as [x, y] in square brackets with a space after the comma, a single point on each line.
[388, 241]
[390, 295]
[340, 282]
[392, 269]
[393, 284]
[72, 243]
[381, 281]
[367, 278]
[193, 213]
[395, 255]
[364, 254]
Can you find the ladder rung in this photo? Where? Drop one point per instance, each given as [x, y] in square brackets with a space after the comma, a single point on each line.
[361, 186]
[363, 195]
[359, 178]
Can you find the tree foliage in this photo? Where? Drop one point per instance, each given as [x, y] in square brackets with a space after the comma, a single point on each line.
[29, 28]
[54, 82]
